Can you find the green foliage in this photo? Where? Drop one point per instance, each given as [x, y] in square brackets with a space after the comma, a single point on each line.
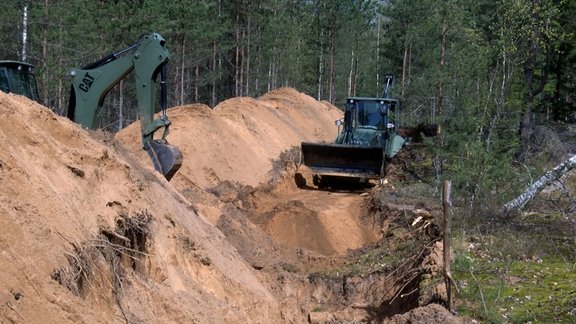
[478, 159]
[11, 28]
[471, 66]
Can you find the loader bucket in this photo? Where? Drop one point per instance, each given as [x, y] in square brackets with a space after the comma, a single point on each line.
[167, 159]
[343, 160]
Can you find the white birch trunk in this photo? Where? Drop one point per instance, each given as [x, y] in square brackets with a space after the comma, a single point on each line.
[542, 183]
[24, 32]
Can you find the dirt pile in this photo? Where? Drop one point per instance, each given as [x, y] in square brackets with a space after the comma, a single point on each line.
[91, 234]
[239, 139]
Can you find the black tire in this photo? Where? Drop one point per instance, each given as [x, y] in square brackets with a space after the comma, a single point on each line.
[322, 182]
[300, 180]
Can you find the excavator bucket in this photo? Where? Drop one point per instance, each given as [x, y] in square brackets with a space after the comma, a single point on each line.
[343, 160]
[167, 159]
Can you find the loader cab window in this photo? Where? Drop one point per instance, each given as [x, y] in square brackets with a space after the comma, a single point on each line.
[24, 83]
[19, 83]
[18, 79]
[32, 87]
[4, 86]
[371, 114]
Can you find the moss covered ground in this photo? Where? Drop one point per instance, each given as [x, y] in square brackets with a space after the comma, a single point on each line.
[521, 271]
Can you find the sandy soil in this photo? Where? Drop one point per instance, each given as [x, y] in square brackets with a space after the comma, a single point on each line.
[90, 233]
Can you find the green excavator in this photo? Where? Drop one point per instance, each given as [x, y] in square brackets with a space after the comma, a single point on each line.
[148, 58]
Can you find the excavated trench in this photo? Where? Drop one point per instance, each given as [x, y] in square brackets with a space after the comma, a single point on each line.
[351, 255]
[131, 248]
[367, 255]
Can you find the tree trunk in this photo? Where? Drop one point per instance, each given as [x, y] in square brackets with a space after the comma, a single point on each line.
[320, 72]
[44, 83]
[196, 83]
[447, 205]
[214, 59]
[182, 87]
[242, 65]
[237, 56]
[350, 75]
[332, 76]
[378, 53]
[542, 183]
[440, 89]
[60, 59]
[406, 67]
[24, 33]
[247, 59]
[258, 62]
[320, 42]
[532, 91]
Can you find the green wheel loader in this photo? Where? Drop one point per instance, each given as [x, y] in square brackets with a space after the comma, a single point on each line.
[367, 140]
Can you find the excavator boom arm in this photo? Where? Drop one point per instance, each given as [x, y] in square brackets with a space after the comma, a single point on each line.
[147, 58]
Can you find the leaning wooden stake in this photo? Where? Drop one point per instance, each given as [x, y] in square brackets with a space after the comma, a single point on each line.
[448, 280]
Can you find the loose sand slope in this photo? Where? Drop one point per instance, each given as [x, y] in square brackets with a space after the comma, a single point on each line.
[239, 138]
[91, 234]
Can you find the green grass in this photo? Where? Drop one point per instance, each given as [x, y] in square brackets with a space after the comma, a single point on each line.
[512, 277]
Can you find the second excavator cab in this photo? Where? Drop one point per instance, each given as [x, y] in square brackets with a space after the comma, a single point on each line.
[17, 77]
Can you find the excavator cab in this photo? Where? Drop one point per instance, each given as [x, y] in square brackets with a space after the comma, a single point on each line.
[18, 78]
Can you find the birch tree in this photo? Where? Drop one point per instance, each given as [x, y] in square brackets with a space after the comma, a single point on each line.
[547, 179]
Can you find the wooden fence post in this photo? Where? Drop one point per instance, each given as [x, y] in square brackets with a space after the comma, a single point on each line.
[447, 205]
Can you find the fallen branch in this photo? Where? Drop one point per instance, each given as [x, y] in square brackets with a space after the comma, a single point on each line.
[542, 183]
[112, 233]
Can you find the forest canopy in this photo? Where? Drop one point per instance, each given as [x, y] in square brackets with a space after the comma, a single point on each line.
[489, 72]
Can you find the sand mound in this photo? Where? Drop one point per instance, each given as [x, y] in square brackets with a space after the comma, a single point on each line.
[239, 138]
[91, 233]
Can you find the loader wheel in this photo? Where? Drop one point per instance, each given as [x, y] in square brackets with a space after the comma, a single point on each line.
[300, 180]
[320, 182]
[316, 180]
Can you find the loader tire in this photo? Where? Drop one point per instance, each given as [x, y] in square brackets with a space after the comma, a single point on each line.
[300, 180]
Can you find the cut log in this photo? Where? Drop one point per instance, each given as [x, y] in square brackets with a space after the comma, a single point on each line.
[542, 183]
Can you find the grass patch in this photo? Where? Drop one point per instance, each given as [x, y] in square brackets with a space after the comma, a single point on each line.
[519, 272]
[517, 292]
